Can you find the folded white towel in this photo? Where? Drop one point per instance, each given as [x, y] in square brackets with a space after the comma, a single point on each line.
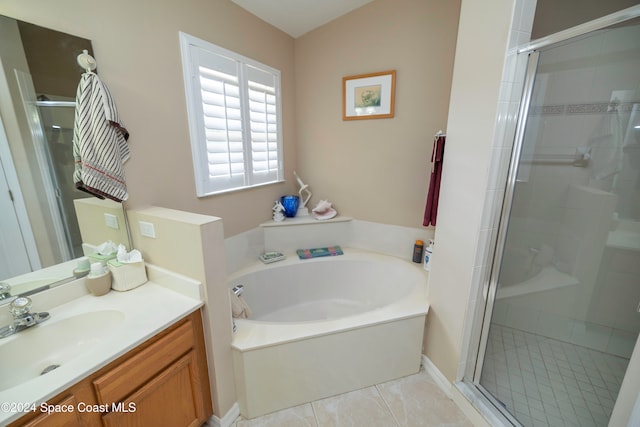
[239, 307]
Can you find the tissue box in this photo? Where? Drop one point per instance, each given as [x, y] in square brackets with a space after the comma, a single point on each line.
[127, 276]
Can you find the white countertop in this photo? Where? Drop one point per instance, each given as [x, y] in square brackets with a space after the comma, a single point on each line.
[148, 309]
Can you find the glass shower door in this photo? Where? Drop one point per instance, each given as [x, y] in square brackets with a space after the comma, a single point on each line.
[56, 119]
[564, 319]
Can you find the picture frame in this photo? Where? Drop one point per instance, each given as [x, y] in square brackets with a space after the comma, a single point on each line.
[369, 96]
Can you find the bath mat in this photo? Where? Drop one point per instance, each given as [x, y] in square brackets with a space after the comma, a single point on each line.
[319, 252]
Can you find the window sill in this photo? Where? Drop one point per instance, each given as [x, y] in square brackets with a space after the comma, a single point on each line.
[238, 189]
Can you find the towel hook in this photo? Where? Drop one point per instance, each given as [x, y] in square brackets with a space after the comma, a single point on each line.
[86, 61]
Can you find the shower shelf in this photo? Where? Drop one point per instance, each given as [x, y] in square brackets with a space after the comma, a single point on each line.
[303, 220]
[549, 278]
[623, 239]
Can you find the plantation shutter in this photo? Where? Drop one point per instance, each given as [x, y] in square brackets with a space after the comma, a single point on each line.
[234, 118]
[219, 79]
[263, 125]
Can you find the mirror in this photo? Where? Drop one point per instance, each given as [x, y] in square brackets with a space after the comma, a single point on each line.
[39, 75]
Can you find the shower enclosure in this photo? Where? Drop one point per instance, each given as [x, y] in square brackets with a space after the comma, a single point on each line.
[561, 328]
[57, 119]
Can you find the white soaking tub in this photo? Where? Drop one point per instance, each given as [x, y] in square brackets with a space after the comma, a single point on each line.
[326, 326]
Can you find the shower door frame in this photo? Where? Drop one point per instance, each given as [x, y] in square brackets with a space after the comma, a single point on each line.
[501, 239]
[40, 145]
[470, 382]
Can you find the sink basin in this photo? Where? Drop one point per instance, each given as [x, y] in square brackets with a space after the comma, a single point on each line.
[27, 354]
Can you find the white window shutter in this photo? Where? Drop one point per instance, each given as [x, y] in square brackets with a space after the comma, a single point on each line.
[223, 129]
[263, 114]
[234, 115]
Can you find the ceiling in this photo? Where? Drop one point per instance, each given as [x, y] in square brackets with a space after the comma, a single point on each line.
[297, 17]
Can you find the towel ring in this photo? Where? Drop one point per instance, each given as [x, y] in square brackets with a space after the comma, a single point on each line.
[86, 61]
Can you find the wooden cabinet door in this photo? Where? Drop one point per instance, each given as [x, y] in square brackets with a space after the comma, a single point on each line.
[58, 418]
[164, 382]
[172, 398]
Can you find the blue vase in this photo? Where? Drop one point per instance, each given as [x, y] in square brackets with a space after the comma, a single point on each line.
[290, 204]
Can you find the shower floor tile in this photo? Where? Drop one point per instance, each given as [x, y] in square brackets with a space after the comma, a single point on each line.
[548, 382]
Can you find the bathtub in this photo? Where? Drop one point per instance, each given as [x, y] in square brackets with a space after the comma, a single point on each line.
[325, 326]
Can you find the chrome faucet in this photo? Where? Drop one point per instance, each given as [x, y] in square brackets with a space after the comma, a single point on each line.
[23, 318]
[238, 290]
[5, 290]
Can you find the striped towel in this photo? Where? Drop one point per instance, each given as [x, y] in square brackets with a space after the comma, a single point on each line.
[99, 142]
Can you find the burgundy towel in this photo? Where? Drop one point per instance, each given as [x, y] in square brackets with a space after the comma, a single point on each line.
[431, 210]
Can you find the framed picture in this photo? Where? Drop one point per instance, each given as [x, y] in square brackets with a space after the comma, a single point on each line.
[368, 96]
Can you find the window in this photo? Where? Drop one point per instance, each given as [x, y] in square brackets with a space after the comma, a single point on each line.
[233, 103]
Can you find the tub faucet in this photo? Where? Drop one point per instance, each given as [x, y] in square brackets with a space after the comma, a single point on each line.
[23, 318]
[237, 291]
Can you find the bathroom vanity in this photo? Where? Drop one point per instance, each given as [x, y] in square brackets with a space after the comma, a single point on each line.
[145, 362]
[161, 382]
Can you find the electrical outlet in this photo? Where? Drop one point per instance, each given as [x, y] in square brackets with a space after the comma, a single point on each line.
[147, 229]
[111, 221]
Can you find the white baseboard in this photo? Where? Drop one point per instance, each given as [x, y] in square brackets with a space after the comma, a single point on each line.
[472, 412]
[228, 419]
[438, 376]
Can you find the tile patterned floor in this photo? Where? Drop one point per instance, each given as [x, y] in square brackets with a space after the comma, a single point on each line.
[545, 382]
[412, 401]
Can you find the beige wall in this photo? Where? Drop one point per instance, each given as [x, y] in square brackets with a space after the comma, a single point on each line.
[375, 170]
[480, 57]
[193, 245]
[137, 49]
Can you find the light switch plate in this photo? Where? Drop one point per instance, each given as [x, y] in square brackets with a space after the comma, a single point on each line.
[147, 229]
[111, 221]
